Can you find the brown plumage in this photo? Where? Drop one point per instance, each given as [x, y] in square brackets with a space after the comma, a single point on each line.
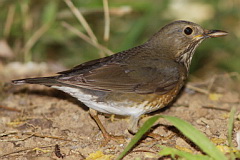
[136, 81]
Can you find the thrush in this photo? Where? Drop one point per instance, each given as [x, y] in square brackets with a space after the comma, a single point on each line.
[136, 81]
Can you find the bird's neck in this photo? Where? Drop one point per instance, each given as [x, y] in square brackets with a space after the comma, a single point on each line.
[185, 56]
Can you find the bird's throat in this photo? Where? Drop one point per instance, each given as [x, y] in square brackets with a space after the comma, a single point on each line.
[185, 57]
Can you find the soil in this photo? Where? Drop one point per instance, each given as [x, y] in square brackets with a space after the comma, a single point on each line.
[37, 122]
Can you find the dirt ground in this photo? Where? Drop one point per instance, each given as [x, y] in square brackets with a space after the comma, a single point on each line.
[34, 119]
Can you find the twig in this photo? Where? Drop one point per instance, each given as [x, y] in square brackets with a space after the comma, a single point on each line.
[31, 134]
[9, 20]
[216, 108]
[143, 150]
[197, 89]
[46, 136]
[107, 20]
[116, 11]
[82, 20]
[32, 40]
[22, 150]
[10, 108]
[87, 39]
[24, 17]
[16, 140]
[8, 133]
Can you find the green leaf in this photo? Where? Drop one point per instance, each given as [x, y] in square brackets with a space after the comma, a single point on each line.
[146, 126]
[197, 137]
[188, 156]
[49, 12]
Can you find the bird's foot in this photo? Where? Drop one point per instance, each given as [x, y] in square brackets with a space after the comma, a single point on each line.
[107, 137]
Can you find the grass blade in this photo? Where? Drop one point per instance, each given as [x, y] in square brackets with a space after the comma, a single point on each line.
[146, 126]
[197, 137]
[188, 156]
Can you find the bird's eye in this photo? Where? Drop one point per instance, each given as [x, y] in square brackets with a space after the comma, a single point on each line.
[188, 31]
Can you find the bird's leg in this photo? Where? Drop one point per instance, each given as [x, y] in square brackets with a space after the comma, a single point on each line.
[133, 129]
[133, 124]
[106, 135]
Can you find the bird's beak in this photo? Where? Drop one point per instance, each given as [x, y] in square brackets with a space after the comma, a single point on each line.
[214, 33]
[211, 34]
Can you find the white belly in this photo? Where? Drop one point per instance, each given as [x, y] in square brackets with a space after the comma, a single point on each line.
[92, 99]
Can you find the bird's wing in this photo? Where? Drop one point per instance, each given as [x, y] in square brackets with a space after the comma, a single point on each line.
[158, 76]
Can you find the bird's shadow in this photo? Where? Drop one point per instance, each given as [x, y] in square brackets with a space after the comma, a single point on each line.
[177, 133]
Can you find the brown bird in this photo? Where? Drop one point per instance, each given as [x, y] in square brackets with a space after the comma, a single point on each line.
[136, 81]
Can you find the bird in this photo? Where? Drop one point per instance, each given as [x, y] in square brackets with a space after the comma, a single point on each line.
[136, 81]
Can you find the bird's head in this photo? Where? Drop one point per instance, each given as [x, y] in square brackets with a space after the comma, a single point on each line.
[179, 39]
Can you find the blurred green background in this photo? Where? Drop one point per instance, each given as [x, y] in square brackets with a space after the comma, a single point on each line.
[33, 29]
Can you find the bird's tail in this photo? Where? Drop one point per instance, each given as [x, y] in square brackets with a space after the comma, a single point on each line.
[48, 81]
